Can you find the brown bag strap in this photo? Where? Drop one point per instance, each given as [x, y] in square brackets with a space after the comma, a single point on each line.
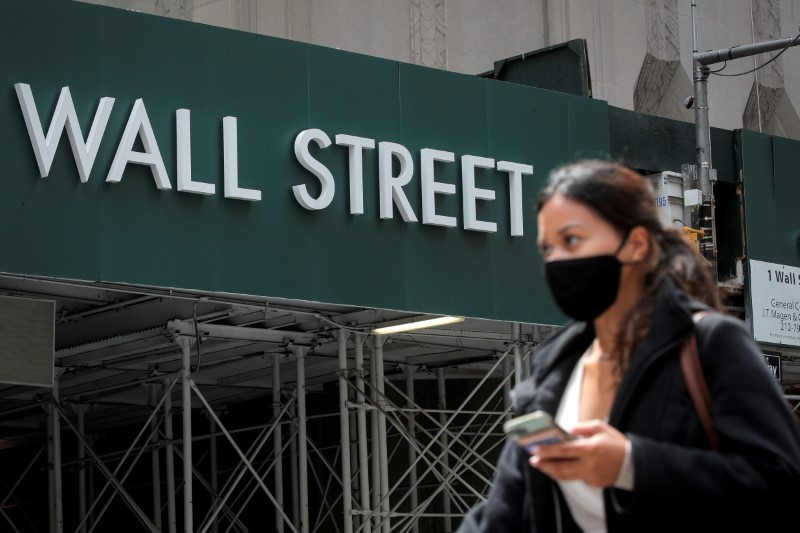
[696, 383]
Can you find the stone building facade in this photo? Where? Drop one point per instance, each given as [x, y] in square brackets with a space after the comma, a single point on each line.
[640, 51]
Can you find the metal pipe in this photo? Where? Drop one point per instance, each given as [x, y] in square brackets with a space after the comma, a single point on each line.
[118, 484]
[169, 459]
[332, 477]
[219, 331]
[458, 435]
[130, 502]
[302, 438]
[412, 452]
[51, 514]
[246, 462]
[755, 68]
[277, 439]
[14, 487]
[745, 50]
[58, 495]
[186, 399]
[445, 463]
[382, 449]
[131, 448]
[213, 451]
[234, 519]
[90, 517]
[8, 519]
[518, 367]
[356, 487]
[694, 27]
[344, 420]
[703, 146]
[375, 462]
[155, 465]
[294, 471]
[361, 419]
[81, 410]
[470, 453]
[247, 466]
[106, 308]
[507, 386]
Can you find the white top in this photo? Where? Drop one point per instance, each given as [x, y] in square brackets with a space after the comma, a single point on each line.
[585, 502]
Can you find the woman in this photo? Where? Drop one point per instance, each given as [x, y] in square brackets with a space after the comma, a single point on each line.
[642, 461]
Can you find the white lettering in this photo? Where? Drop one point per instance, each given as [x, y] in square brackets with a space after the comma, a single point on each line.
[391, 193]
[139, 124]
[471, 194]
[356, 147]
[184, 155]
[431, 187]
[515, 172]
[64, 117]
[230, 164]
[315, 167]
[390, 188]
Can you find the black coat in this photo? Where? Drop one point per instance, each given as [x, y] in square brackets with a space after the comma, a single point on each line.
[680, 483]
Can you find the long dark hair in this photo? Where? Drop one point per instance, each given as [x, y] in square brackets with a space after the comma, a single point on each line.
[625, 199]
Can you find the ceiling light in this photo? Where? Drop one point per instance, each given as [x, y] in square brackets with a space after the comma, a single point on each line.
[398, 326]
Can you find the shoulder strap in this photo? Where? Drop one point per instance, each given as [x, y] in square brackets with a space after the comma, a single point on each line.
[696, 383]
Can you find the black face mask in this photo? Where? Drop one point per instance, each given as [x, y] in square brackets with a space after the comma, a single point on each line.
[584, 287]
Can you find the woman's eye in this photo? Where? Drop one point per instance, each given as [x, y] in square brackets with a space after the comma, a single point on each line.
[571, 240]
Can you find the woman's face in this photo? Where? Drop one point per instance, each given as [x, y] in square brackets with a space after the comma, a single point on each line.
[569, 230]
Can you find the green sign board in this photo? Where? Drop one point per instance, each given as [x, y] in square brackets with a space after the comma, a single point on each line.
[769, 169]
[209, 159]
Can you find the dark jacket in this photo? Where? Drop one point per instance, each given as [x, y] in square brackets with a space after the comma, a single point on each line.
[680, 483]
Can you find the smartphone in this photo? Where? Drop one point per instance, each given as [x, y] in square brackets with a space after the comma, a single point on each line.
[535, 428]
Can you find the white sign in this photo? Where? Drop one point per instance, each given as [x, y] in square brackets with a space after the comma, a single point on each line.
[775, 300]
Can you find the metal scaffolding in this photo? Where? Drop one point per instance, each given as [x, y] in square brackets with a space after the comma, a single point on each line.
[396, 463]
[343, 430]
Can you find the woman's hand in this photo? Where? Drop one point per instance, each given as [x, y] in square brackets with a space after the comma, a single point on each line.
[595, 457]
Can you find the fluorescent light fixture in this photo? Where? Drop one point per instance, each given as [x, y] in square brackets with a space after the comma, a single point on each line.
[399, 326]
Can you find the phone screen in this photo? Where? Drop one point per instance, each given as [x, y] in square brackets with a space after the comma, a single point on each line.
[535, 428]
[546, 436]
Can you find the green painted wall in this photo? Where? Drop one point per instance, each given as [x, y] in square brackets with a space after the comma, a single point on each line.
[770, 169]
[132, 232]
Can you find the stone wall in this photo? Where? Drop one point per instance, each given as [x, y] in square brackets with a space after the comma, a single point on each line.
[639, 50]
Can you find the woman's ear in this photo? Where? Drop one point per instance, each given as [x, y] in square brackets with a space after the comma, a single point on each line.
[638, 246]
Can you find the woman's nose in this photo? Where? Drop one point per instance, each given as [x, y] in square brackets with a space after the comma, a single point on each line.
[554, 254]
